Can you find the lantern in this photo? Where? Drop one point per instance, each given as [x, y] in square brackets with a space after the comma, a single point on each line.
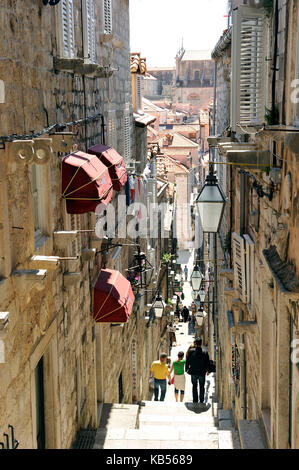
[202, 295]
[158, 306]
[210, 203]
[196, 278]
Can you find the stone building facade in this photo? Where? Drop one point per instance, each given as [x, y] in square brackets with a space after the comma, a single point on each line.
[61, 64]
[256, 324]
[194, 78]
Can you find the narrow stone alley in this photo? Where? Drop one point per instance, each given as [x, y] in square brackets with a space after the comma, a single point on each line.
[170, 425]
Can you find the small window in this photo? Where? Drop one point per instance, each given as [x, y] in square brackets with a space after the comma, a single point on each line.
[196, 75]
[89, 31]
[65, 29]
[107, 17]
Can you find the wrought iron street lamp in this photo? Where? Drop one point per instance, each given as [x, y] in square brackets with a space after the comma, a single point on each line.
[202, 295]
[210, 203]
[158, 306]
[196, 278]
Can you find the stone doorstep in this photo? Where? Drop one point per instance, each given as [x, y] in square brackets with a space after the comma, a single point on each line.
[251, 434]
[225, 424]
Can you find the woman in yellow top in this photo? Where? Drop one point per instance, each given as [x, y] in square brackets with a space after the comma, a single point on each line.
[159, 370]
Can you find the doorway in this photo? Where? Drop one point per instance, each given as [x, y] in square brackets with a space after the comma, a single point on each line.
[40, 405]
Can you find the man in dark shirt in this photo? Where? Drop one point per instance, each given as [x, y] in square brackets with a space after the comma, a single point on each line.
[198, 365]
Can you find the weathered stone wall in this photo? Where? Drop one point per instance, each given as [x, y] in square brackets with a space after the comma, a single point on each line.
[47, 318]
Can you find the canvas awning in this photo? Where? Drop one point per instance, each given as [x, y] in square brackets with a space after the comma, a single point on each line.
[85, 182]
[113, 297]
[114, 162]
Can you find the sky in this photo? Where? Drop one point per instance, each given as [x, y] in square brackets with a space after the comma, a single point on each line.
[158, 26]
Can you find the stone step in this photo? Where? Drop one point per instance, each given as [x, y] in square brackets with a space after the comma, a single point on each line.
[156, 444]
[158, 420]
[229, 439]
[205, 429]
[251, 434]
[119, 416]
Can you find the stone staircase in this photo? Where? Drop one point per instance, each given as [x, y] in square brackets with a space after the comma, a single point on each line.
[164, 425]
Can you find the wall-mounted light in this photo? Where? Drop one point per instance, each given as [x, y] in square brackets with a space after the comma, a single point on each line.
[196, 278]
[158, 306]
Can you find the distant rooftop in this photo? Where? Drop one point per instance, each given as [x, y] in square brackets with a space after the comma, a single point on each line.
[196, 55]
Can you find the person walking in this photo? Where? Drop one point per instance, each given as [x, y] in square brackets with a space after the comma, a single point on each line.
[159, 370]
[178, 368]
[186, 272]
[185, 313]
[197, 365]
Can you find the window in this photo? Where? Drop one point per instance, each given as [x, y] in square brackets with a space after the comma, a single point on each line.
[196, 75]
[89, 31]
[248, 68]
[65, 29]
[107, 16]
[39, 202]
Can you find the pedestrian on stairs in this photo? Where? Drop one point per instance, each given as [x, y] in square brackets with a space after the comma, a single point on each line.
[197, 366]
[178, 368]
[159, 370]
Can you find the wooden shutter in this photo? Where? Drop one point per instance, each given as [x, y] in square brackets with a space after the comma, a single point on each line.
[127, 137]
[89, 31]
[107, 17]
[67, 29]
[249, 257]
[138, 92]
[248, 68]
[111, 129]
[239, 265]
